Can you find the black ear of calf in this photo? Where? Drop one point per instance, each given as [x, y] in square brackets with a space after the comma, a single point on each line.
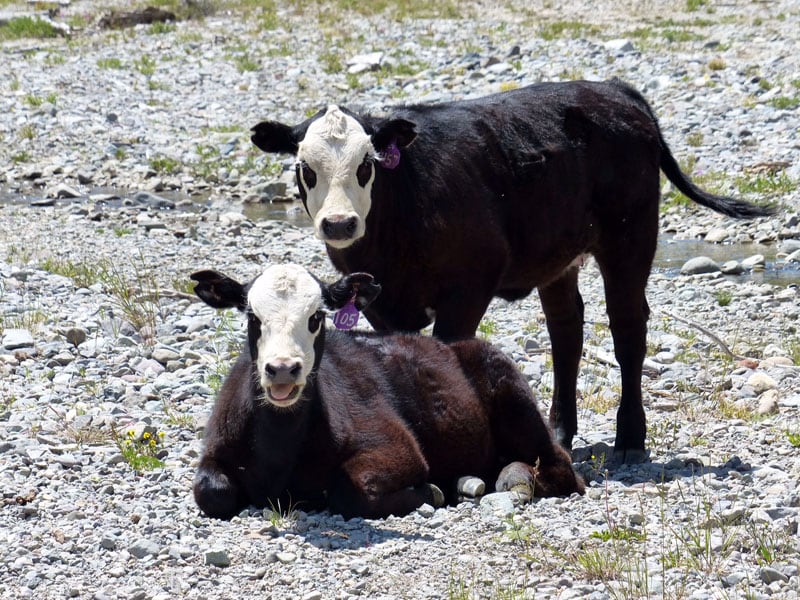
[218, 290]
[358, 286]
[271, 136]
[399, 131]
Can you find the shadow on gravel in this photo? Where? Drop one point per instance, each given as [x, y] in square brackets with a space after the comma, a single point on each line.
[328, 532]
[590, 462]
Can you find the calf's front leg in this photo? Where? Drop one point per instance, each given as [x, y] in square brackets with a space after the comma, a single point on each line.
[563, 309]
[217, 493]
[389, 479]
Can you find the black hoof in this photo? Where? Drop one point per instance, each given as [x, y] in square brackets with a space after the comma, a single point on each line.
[630, 456]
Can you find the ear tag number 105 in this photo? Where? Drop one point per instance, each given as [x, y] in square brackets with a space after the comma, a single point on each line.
[346, 317]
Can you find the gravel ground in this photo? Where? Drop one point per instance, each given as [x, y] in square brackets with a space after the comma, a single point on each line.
[126, 165]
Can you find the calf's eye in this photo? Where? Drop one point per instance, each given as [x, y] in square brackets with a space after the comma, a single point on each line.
[364, 171]
[315, 320]
[305, 174]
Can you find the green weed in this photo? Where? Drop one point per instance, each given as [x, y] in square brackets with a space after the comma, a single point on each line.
[785, 102]
[141, 453]
[161, 27]
[244, 63]
[34, 101]
[723, 297]
[53, 60]
[680, 35]
[28, 317]
[21, 157]
[164, 165]
[765, 184]
[794, 438]
[177, 419]
[27, 132]
[137, 299]
[331, 62]
[83, 274]
[695, 139]
[146, 65]
[487, 328]
[27, 27]
[110, 63]
[620, 534]
[567, 29]
[77, 434]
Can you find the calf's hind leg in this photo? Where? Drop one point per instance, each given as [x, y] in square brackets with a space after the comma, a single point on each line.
[520, 433]
[624, 260]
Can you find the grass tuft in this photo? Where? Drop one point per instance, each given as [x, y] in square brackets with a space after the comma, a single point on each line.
[27, 27]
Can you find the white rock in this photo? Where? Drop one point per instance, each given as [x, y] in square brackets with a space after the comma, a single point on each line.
[768, 403]
[761, 382]
[619, 45]
[17, 338]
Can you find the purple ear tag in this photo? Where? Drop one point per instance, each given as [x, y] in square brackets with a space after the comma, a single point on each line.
[390, 157]
[347, 316]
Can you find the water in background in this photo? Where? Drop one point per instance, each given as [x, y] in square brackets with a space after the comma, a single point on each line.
[670, 255]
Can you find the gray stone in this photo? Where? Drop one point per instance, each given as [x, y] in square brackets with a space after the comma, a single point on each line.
[65, 191]
[164, 354]
[217, 557]
[754, 261]
[717, 235]
[75, 335]
[699, 265]
[144, 547]
[153, 200]
[769, 575]
[84, 177]
[732, 267]
[497, 505]
[150, 223]
[286, 557]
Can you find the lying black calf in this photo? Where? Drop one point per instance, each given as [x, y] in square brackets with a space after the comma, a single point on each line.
[361, 423]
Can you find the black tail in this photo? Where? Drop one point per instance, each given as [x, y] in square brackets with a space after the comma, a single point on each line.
[739, 209]
[732, 207]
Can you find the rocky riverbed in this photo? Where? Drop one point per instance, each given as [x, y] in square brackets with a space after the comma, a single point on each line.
[125, 165]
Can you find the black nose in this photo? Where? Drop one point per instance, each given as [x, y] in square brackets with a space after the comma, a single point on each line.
[339, 228]
[283, 372]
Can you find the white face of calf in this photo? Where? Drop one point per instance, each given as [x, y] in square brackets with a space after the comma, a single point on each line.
[285, 304]
[335, 171]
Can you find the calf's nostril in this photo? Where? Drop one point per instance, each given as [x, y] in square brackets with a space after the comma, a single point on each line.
[295, 370]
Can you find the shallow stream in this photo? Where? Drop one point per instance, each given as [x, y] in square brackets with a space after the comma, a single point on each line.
[671, 254]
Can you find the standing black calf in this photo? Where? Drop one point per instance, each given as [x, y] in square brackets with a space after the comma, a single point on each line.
[361, 423]
[450, 205]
